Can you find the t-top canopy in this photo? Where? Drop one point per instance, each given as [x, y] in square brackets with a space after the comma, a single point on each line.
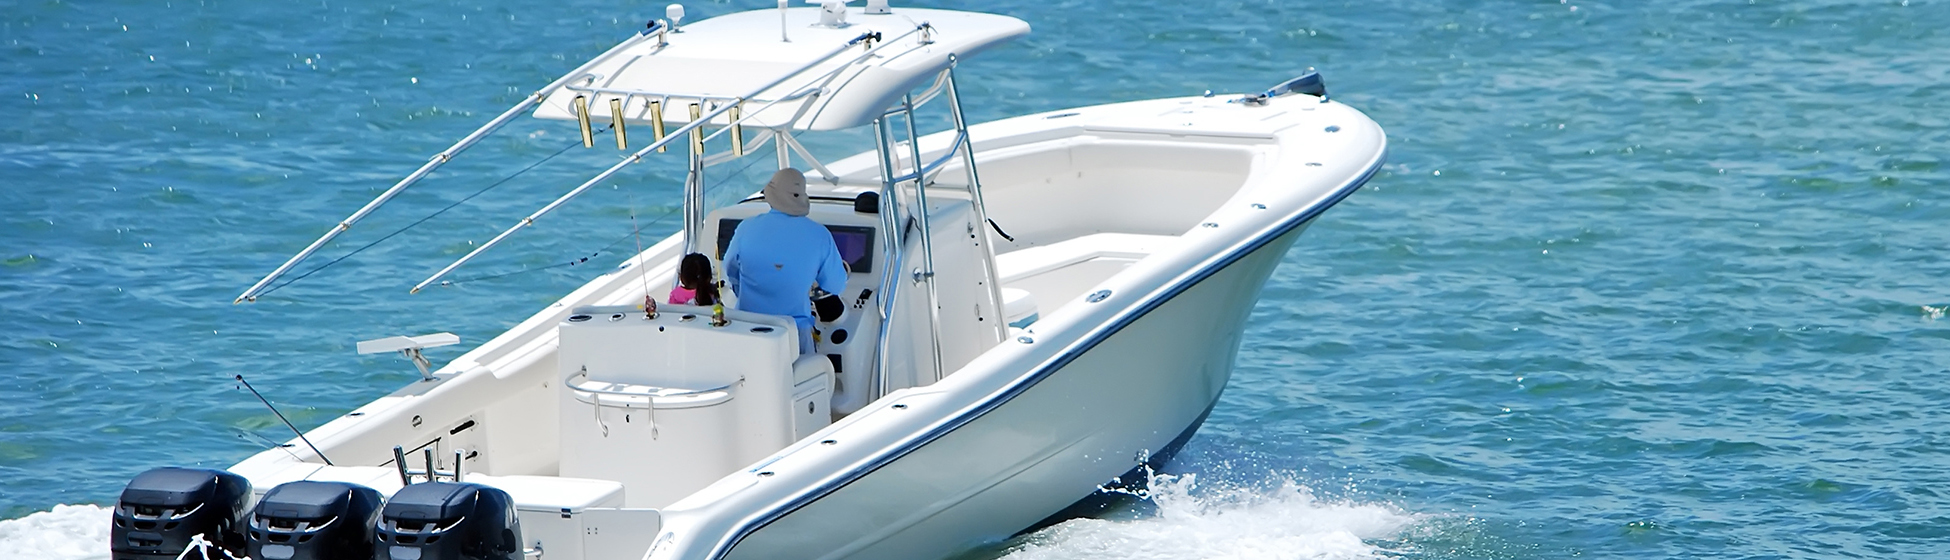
[715, 61]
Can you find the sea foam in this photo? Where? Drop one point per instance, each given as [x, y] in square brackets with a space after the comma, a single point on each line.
[78, 532]
[1288, 522]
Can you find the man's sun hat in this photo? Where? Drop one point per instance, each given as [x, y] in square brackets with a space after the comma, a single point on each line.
[786, 192]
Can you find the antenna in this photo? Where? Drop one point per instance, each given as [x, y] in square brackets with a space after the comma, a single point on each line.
[675, 13]
[287, 422]
[410, 346]
[782, 34]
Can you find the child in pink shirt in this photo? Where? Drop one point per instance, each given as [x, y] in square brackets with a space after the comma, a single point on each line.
[695, 285]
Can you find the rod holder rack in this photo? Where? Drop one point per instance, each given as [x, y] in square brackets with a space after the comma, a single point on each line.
[430, 472]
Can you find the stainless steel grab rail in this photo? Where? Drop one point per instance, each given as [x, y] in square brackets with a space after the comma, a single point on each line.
[953, 150]
[569, 382]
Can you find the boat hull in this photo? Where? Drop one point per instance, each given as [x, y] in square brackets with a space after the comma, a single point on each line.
[1139, 388]
[1093, 391]
[1118, 372]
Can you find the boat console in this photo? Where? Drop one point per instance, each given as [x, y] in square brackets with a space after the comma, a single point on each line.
[845, 339]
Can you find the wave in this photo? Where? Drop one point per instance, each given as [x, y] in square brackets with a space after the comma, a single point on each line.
[1288, 522]
[67, 532]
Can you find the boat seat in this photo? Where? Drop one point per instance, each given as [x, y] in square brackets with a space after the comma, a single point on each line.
[531, 493]
[383, 479]
[1023, 263]
[554, 493]
[567, 516]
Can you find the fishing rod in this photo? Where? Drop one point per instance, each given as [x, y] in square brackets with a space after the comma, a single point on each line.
[287, 422]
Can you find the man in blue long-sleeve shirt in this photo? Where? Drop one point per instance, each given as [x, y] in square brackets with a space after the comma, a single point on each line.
[776, 258]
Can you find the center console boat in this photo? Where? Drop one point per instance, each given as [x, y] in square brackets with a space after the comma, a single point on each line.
[1033, 307]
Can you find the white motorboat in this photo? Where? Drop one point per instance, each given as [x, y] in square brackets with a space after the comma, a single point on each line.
[973, 383]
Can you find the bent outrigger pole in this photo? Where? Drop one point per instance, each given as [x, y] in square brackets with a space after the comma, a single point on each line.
[655, 29]
[694, 213]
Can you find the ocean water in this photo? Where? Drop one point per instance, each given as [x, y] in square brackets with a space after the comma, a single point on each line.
[1640, 280]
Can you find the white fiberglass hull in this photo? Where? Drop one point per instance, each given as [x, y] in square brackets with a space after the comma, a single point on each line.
[1101, 409]
[1119, 369]
[1038, 423]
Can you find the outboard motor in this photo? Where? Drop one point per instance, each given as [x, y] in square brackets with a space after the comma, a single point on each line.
[314, 520]
[164, 509]
[448, 521]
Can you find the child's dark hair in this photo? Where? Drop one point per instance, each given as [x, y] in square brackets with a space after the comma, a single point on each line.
[694, 272]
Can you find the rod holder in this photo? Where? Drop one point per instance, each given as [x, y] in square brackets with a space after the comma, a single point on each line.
[582, 118]
[399, 460]
[691, 241]
[616, 122]
[737, 131]
[697, 132]
[657, 122]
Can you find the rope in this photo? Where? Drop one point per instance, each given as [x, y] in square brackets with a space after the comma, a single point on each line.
[649, 305]
[574, 262]
[484, 190]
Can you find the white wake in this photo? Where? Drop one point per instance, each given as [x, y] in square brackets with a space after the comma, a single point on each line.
[1289, 523]
[64, 533]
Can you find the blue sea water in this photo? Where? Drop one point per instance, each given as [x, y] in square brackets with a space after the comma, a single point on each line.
[1640, 280]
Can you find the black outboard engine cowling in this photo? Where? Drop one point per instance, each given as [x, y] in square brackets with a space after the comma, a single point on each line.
[164, 509]
[448, 521]
[314, 520]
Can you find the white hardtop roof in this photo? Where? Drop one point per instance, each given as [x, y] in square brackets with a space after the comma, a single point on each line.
[729, 56]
